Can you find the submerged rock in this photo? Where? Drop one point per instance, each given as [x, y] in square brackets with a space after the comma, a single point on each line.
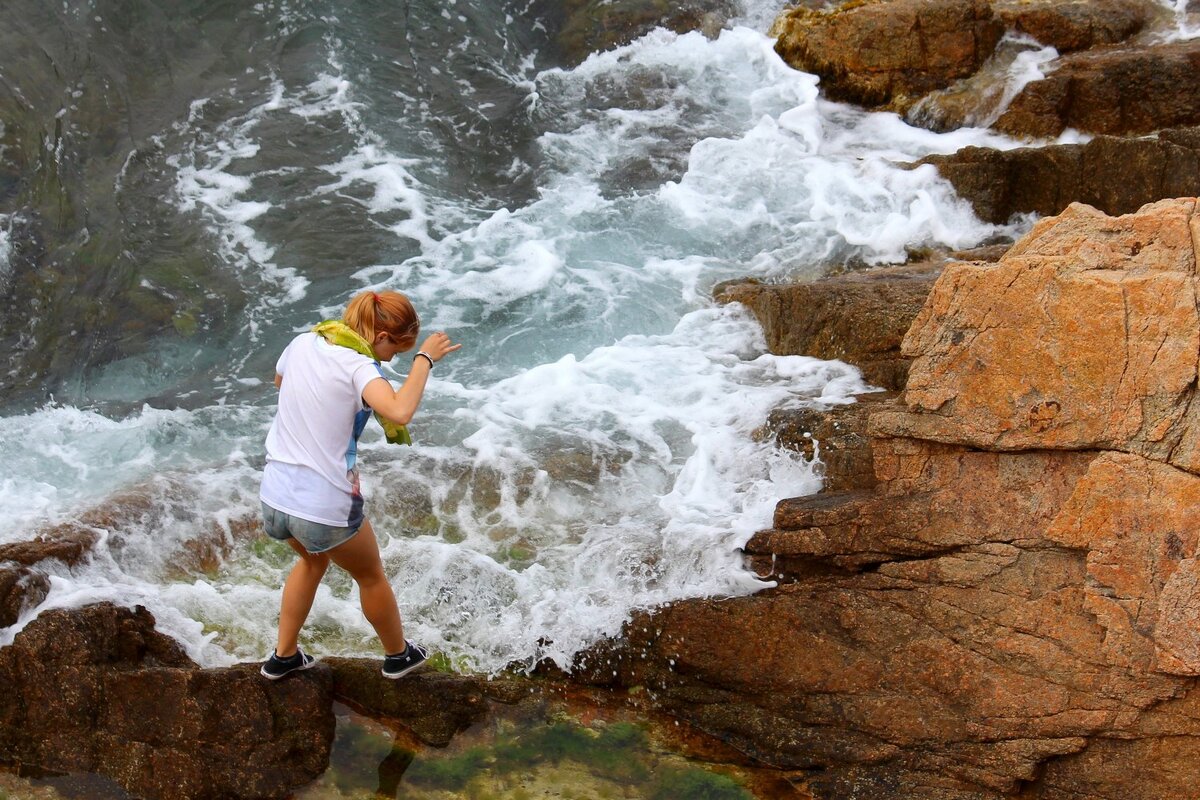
[591, 26]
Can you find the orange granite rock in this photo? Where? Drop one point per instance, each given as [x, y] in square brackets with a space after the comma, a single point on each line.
[1084, 335]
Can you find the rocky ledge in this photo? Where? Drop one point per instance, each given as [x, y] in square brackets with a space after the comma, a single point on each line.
[1007, 607]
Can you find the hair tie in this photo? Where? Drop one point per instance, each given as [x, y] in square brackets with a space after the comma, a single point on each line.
[376, 296]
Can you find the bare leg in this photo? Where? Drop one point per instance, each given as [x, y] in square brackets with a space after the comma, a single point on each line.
[298, 593]
[360, 557]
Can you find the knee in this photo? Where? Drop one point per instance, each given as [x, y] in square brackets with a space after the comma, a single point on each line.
[371, 579]
[316, 563]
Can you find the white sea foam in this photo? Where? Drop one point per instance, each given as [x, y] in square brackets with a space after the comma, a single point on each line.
[1187, 23]
[5, 247]
[593, 448]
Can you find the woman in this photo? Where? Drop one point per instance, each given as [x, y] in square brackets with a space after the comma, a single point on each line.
[329, 380]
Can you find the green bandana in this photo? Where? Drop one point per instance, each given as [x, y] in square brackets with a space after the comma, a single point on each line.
[339, 333]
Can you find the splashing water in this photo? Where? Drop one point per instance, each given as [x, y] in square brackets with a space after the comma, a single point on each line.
[591, 450]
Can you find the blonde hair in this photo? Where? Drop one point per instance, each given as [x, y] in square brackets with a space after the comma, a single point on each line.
[370, 313]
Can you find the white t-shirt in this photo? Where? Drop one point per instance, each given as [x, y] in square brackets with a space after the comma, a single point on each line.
[313, 442]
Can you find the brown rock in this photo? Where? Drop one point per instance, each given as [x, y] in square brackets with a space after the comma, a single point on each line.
[1083, 336]
[1120, 91]
[593, 25]
[68, 543]
[98, 690]
[1135, 519]
[858, 317]
[1158, 758]
[21, 588]
[1068, 25]
[921, 508]
[888, 53]
[1001, 623]
[835, 437]
[1115, 175]
[434, 706]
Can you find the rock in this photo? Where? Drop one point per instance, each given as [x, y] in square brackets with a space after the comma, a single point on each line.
[918, 508]
[859, 317]
[595, 25]
[21, 588]
[1115, 175]
[98, 690]
[1009, 610]
[888, 53]
[1068, 25]
[994, 369]
[433, 705]
[1134, 519]
[68, 543]
[1126, 90]
[836, 436]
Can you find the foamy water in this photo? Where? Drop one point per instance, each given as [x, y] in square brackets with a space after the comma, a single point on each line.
[592, 448]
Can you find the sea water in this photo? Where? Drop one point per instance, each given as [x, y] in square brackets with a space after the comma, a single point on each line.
[593, 447]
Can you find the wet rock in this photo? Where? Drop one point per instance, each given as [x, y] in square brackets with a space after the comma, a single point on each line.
[921, 507]
[98, 690]
[21, 588]
[887, 54]
[837, 437]
[434, 706]
[1125, 90]
[1115, 175]
[1009, 610]
[1069, 25]
[858, 317]
[591, 26]
[68, 543]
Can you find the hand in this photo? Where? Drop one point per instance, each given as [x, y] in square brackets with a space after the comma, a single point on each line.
[438, 346]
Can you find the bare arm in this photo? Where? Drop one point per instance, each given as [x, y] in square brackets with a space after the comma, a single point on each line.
[278, 380]
[399, 405]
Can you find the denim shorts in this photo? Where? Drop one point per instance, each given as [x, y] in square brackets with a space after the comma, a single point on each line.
[315, 536]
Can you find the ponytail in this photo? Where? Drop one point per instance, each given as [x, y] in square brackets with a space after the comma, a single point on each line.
[370, 313]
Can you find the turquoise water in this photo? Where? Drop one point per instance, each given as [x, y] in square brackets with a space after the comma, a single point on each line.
[223, 176]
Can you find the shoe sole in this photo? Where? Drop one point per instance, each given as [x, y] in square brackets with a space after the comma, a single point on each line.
[270, 677]
[394, 675]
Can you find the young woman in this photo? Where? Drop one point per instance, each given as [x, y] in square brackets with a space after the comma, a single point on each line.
[329, 381]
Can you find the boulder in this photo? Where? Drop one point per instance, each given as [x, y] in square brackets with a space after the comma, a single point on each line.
[1069, 25]
[98, 690]
[590, 26]
[859, 317]
[1123, 90]
[888, 53]
[1115, 175]
[1085, 335]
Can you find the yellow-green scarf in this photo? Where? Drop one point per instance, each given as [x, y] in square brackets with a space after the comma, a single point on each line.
[339, 333]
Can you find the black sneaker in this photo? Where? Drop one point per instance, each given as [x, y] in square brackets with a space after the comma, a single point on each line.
[401, 664]
[276, 667]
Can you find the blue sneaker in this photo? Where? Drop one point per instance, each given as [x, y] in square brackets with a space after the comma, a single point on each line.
[401, 664]
[276, 667]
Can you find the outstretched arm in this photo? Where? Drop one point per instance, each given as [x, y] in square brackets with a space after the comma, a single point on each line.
[399, 405]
